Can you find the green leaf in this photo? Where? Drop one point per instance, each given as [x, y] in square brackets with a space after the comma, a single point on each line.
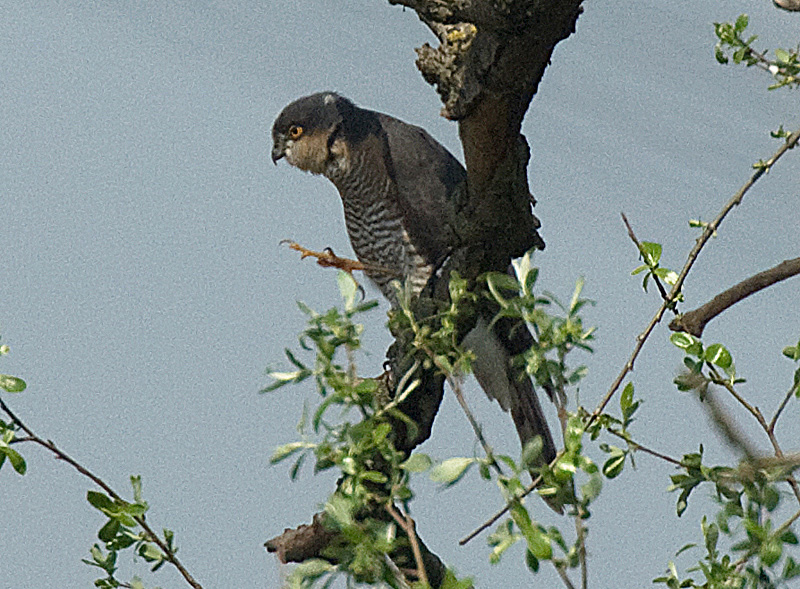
[283, 452]
[99, 500]
[531, 561]
[109, 530]
[651, 252]
[150, 552]
[741, 23]
[532, 451]
[417, 462]
[451, 470]
[538, 543]
[792, 352]
[683, 340]
[626, 399]
[15, 458]
[791, 569]
[667, 275]
[12, 384]
[615, 464]
[770, 551]
[718, 355]
[374, 476]
[348, 288]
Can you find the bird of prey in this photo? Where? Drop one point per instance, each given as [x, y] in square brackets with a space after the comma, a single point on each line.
[399, 189]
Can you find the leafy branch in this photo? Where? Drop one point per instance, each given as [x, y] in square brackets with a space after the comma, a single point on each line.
[118, 533]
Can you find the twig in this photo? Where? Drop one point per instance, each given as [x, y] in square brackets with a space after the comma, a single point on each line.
[632, 235]
[646, 450]
[563, 574]
[724, 423]
[695, 321]
[407, 524]
[61, 455]
[580, 532]
[774, 420]
[708, 231]
[503, 511]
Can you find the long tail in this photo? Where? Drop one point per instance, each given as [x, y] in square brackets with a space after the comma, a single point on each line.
[508, 385]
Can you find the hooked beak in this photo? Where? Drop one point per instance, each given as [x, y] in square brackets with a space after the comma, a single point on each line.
[278, 148]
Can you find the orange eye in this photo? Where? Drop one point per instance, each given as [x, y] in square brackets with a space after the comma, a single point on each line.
[295, 131]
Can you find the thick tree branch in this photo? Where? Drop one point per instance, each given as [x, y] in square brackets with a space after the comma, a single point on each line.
[694, 322]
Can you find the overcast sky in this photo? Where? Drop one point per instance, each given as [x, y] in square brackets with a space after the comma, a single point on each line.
[143, 290]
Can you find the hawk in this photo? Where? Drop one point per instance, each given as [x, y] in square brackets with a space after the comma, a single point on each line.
[399, 188]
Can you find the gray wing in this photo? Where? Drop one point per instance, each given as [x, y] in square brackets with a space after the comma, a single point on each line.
[428, 179]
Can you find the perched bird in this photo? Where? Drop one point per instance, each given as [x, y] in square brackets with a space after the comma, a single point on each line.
[399, 188]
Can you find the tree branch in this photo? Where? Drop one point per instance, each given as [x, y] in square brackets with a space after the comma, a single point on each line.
[694, 322]
[708, 231]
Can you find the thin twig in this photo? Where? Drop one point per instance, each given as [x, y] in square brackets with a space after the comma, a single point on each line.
[563, 574]
[645, 449]
[505, 509]
[407, 524]
[580, 532]
[739, 440]
[61, 455]
[708, 231]
[662, 291]
[786, 399]
[476, 428]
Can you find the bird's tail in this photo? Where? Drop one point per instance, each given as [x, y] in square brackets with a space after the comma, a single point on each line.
[530, 422]
[494, 349]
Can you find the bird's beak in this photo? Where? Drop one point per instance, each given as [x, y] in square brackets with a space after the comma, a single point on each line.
[278, 148]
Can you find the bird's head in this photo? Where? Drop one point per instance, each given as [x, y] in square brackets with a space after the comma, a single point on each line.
[307, 130]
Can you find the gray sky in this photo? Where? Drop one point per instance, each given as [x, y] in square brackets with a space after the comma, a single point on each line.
[143, 291]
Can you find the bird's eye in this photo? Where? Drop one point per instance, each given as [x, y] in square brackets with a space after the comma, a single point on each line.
[295, 131]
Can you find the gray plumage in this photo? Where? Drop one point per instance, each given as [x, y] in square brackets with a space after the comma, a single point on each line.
[400, 189]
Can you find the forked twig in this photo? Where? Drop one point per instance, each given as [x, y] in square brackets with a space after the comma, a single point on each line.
[708, 231]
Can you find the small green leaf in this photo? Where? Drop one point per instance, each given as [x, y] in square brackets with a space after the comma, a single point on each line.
[532, 451]
[741, 23]
[99, 500]
[770, 552]
[682, 340]
[792, 352]
[150, 552]
[374, 476]
[417, 462]
[791, 569]
[348, 288]
[667, 275]
[15, 458]
[109, 530]
[651, 252]
[451, 470]
[283, 452]
[718, 355]
[615, 464]
[626, 399]
[12, 384]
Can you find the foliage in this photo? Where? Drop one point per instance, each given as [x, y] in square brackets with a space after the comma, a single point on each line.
[356, 447]
[732, 45]
[125, 527]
